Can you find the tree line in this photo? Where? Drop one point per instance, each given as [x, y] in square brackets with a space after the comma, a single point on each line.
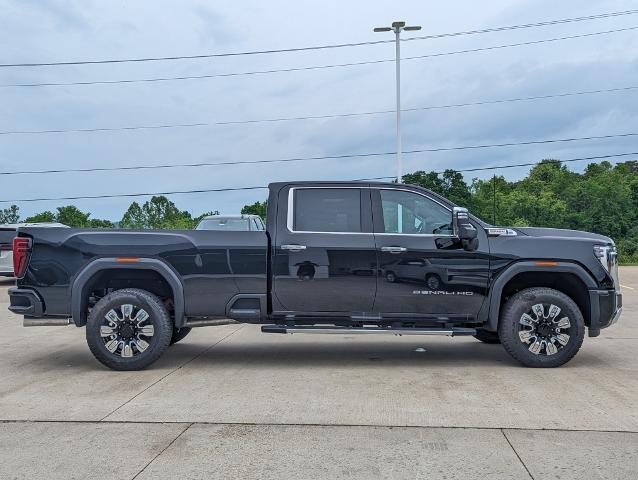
[603, 199]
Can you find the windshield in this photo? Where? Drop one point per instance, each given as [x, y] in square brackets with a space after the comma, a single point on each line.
[232, 224]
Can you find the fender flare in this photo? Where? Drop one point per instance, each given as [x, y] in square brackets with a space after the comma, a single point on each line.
[79, 294]
[530, 266]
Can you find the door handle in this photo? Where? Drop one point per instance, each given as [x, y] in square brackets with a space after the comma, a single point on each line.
[293, 248]
[394, 249]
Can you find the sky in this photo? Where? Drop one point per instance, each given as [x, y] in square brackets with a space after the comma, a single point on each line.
[40, 31]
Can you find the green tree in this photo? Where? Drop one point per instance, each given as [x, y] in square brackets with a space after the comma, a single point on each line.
[449, 184]
[158, 213]
[133, 217]
[71, 216]
[10, 215]
[41, 217]
[257, 208]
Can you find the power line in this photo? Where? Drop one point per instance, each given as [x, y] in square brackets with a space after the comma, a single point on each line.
[520, 44]
[321, 47]
[526, 25]
[233, 189]
[315, 117]
[325, 157]
[515, 165]
[313, 67]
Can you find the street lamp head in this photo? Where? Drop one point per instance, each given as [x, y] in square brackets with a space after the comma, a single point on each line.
[410, 29]
[398, 24]
[382, 29]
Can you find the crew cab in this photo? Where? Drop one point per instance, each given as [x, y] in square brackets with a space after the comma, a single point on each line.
[335, 258]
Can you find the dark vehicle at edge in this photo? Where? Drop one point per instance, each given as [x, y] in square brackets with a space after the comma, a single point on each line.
[322, 266]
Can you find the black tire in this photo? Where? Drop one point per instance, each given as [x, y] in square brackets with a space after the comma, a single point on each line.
[486, 336]
[157, 342]
[391, 277]
[522, 303]
[179, 334]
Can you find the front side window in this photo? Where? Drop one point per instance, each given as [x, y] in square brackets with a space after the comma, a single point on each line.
[413, 214]
[327, 210]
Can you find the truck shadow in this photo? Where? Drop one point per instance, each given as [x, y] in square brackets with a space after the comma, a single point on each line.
[368, 354]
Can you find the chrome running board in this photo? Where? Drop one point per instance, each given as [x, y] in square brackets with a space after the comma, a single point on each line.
[450, 332]
[46, 322]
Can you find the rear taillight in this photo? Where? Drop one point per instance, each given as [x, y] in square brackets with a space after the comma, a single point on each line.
[21, 249]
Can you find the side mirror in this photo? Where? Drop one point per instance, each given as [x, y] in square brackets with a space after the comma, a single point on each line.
[463, 229]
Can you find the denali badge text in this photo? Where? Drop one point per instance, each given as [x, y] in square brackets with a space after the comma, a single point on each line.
[439, 292]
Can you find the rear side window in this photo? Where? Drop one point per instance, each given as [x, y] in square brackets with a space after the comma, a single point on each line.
[327, 210]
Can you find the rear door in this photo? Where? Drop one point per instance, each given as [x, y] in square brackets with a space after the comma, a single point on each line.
[423, 270]
[324, 251]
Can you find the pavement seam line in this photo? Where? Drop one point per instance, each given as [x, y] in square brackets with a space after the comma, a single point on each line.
[170, 373]
[162, 451]
[516, 453]
[340, 425]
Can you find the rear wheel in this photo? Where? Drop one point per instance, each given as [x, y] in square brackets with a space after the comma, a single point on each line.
[128, 329]
[541, 327]
[179, 334]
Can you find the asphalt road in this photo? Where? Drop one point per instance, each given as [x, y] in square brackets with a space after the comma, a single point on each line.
[230, 402]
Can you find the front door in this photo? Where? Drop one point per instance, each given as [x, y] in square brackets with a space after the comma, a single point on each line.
[324, 251]
[423, 270]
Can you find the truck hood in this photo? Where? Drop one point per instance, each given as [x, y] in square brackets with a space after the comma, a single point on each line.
[560, 233]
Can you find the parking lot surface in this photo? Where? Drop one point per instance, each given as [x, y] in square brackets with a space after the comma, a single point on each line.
[232, 402]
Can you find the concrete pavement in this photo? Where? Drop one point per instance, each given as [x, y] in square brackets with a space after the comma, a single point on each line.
[229, 401]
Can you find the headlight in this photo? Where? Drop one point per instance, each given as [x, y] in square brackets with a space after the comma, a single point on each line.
[608, 258]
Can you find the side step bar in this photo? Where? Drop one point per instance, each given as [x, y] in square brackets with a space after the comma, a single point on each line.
[209, 322]
[367, 330]
[46, 322]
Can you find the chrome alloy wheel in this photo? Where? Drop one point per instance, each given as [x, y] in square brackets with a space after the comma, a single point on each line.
[545, 333]
[128, 332]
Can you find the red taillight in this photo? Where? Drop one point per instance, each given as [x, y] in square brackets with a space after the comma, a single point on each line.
[21, 248]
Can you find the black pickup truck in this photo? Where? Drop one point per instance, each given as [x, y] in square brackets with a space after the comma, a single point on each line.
[336, 257]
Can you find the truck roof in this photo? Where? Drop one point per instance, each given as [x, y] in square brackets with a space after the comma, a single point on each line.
[337, 183]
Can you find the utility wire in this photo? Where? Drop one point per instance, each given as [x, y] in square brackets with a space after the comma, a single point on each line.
[326, 157]
[520, 44]
[323, 47]
[314, 67]
[232, 189]
[526, 25]
[515, 165]
[315, 117]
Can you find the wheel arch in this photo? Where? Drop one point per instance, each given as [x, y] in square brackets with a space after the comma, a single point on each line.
[567, 277]
[82, 283]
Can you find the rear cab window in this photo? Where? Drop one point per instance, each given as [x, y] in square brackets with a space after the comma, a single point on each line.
[326, 210]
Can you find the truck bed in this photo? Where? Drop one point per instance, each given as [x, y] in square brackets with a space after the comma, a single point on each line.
[213, 266]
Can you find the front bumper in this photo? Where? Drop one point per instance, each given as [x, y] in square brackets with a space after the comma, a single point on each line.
[605, 310]
[25, 302]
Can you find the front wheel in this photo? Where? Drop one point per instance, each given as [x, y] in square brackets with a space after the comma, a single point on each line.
[128, 329]
[541, 327]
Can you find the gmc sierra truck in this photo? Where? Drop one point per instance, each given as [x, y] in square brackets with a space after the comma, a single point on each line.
[335, 258]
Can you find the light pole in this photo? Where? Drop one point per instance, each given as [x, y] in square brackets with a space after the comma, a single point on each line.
[397, 28]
